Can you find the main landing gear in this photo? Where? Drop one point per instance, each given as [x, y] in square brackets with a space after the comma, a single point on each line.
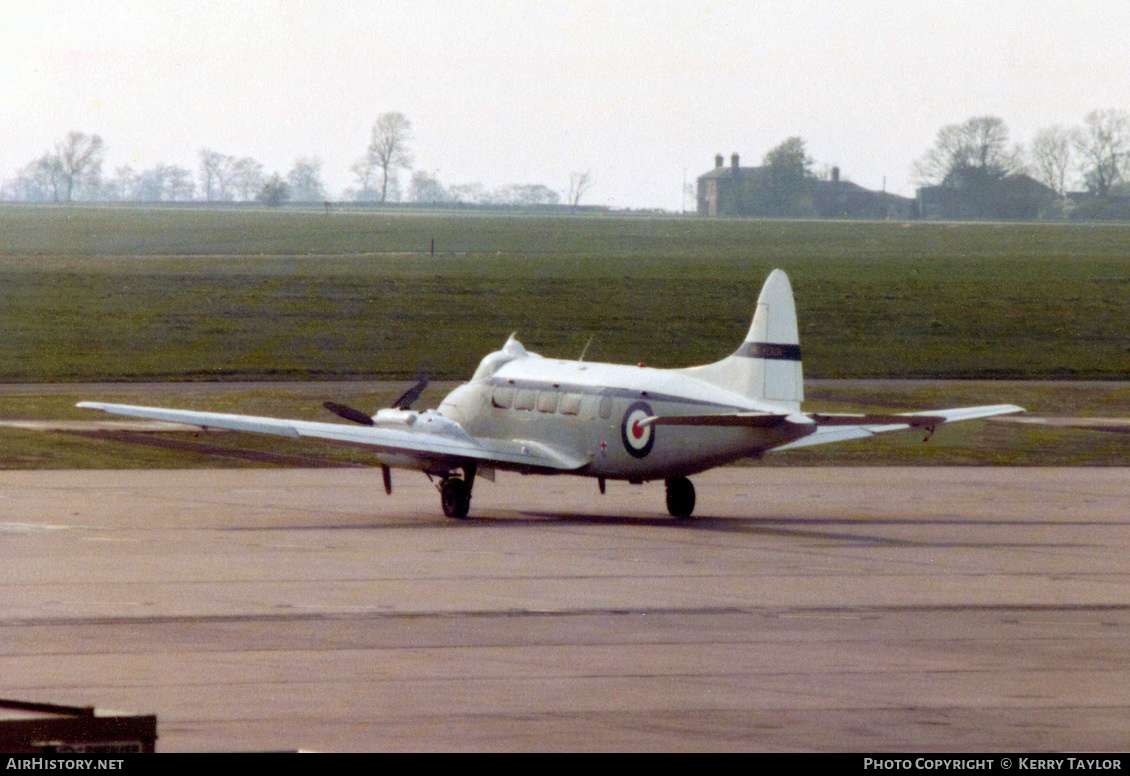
[680, 497]
[455, 493]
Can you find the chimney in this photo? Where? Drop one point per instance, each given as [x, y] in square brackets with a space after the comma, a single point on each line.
[718, 161]
[734, 162]
[835, 175]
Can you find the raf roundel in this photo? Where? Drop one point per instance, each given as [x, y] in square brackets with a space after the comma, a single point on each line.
[638, 439]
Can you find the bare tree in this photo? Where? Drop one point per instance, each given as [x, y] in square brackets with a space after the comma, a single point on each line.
[216, 175]
[472, 193]
[526, 194]
[305, 181]
[120, 187]
[1104, 145]
[178, 184]
[388, 151]
[579, 184]
[78, 164]
[977, 148]
[1052, 157]
[246, 178]
[39, 181]
[163, 183]
[425, 187]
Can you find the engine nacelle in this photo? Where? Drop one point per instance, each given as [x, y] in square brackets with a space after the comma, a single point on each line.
[394, 417]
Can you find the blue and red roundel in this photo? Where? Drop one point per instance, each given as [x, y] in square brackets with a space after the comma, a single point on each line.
[638, 439]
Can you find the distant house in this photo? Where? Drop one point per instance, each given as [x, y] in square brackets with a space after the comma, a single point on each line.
[837, 198]
[720, 194]
[714, 186]
[1011, 198]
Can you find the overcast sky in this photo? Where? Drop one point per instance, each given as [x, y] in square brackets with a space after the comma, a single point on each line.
[640, 93]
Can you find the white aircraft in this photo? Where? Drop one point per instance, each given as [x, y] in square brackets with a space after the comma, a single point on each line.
[525, 413]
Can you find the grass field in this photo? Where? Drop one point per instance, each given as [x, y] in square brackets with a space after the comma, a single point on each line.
[130, 294]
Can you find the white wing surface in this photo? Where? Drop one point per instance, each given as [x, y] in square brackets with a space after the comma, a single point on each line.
[431, 438]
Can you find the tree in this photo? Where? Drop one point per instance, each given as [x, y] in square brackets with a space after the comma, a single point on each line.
[579, 184]
[471, 193]
[39, 181]
[526, 194]
[974, 151]
[388, 151]
[274, 191]
[178, 184]
[1104, 146]
[1052, 156]
[77, 161]
[426, 188]
[365, 172]
[246, 178]
[216, 175]
[790, 179]
[163, 183]
[120, 188]
[305, 181]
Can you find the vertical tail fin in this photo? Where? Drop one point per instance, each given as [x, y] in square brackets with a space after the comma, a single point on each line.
[767, 366]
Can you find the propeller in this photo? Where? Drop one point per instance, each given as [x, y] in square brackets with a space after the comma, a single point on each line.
[358, 416]
[341, 410]
[409, 396]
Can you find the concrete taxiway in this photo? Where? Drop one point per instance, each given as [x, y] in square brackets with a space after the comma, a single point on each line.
[802, 609]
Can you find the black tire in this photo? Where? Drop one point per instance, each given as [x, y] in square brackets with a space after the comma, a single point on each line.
[680, 497]
[456, 498]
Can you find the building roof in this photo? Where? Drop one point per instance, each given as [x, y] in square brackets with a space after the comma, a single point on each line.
[727, 172]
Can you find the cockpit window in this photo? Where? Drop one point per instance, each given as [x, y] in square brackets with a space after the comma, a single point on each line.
[547, 401]
[570, 404]
[503, 397]
[524, 400]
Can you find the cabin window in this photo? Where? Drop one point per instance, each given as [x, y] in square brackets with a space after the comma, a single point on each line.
[547, 401]
[524, 399]
[570, 404]
[503, 398]
[606, 407]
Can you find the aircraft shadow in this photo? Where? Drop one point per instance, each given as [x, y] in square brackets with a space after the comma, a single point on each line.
[793, 528]
[812, 529]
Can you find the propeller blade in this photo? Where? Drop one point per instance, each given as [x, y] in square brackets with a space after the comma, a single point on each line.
[409, 396]
[357, 416]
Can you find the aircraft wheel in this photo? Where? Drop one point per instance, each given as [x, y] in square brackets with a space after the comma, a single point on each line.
[456, 498]
[680, 496]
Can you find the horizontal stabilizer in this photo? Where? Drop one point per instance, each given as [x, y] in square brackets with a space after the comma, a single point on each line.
[912, 420]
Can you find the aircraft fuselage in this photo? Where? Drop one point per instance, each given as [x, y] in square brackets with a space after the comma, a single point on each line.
[593, 410]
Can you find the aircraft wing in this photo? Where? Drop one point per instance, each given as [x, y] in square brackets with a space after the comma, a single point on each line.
[827, 428]
[448, 444]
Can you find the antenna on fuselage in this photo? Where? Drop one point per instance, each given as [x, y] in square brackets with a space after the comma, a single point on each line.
[586, 348]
